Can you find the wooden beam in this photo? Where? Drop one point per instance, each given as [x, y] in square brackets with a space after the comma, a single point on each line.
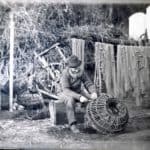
[45, 65]
[51, 96]
[11, 64]
[114, 41]
[47, 50]
[61, 53]
[119, 41]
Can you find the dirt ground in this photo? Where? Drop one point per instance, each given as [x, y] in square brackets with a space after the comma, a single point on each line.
[20, 132]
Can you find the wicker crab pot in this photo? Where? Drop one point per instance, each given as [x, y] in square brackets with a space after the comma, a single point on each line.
[106, 115]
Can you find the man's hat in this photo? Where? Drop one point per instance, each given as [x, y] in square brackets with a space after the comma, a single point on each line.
[73, 61]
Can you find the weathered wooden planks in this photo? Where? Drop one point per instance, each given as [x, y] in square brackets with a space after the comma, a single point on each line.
[105, 68]
[125, 70]
[99, 66]
[110, 70]
[133, 71]
[78, 48]
[130, 73]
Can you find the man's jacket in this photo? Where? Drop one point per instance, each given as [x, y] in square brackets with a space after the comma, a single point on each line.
[72, 86]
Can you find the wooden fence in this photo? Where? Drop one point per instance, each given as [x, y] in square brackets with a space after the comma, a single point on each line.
[119, 71]
[133, 71]
[129, 73]
[105, 70]
[78, 48]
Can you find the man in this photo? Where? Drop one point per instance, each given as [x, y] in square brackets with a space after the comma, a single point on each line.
[72, 81]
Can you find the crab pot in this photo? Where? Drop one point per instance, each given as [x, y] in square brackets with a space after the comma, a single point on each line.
[106, 115]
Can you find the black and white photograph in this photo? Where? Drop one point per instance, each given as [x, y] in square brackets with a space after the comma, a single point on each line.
[75, 74]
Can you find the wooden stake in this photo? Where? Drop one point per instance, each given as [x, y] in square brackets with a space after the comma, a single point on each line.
[52, 111]
[47, 50]
[11, 66]
[61, 53]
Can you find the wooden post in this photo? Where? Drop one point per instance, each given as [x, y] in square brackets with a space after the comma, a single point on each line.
[98, 70]
[110, 69]
[138, 79]
[11, 65]
[52, 111]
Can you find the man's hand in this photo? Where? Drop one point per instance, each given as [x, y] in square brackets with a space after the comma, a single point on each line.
[93, 96]
[83, 99]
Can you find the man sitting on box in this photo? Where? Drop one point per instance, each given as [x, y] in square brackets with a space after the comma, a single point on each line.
[73, 83]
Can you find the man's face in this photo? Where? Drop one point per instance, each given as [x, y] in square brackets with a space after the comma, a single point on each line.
[76, 72]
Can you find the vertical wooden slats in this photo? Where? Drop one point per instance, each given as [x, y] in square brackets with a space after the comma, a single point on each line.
[78, 49]
[131, 74]
[133, 71]
[105, 68]
[110, 70]
[99, 63]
